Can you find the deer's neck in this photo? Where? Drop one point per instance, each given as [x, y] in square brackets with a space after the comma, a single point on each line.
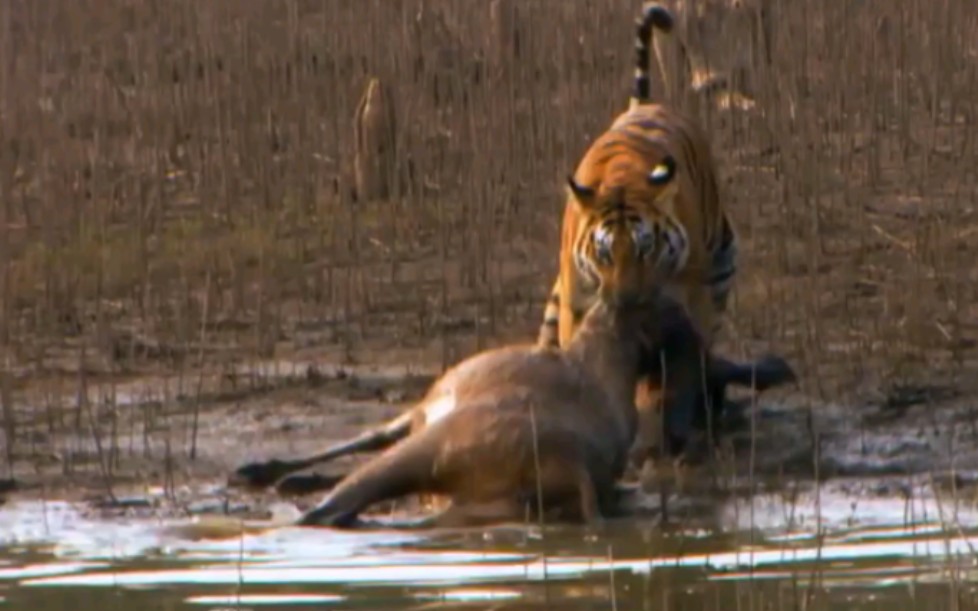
[608, 346]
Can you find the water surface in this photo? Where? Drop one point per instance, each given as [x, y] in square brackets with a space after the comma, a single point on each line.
[823, 550]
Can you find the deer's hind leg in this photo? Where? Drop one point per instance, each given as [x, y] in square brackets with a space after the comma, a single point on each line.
[262, 474]
[403, 469]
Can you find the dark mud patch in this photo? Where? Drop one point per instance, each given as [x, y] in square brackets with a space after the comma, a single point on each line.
[933, 435]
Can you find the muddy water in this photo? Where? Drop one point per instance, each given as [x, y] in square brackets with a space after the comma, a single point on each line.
[825, 548]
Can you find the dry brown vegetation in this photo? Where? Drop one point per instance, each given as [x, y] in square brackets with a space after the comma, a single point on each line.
[177, 194]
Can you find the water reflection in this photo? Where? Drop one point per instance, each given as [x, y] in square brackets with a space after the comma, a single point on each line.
[844, 552]
[265, 599]
[470, 595]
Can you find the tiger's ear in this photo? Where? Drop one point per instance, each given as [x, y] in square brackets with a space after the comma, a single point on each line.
[583, 194]
[663, 172]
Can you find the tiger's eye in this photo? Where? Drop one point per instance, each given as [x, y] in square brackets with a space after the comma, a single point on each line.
[663, 172]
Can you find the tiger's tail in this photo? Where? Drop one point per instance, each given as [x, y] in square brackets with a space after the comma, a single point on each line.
[654, 16]
[549, 335]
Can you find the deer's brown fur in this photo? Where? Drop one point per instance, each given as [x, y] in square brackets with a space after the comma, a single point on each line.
[523, 427]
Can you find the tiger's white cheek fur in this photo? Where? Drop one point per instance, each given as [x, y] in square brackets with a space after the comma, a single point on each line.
[586, 269]
[678, 254]
[674, 251]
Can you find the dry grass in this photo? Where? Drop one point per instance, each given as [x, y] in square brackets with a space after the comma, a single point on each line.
[176, 186]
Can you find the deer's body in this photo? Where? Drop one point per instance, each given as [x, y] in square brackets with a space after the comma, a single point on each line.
[519, 428]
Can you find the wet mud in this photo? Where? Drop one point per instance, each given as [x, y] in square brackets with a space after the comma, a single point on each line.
[779, 441]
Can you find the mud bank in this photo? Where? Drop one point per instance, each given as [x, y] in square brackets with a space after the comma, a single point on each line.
[784, 442]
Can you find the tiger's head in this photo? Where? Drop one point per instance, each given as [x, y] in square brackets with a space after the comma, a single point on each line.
[628, 241]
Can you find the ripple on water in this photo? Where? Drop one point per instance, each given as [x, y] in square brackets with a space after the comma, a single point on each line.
[855, 543]
[235, 600]
[62, 530]
[491, 567]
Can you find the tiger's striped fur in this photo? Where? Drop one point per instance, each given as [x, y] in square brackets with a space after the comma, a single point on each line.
[651, 178]
[651, 172]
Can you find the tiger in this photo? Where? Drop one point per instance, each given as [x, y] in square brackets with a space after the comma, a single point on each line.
[652, 175]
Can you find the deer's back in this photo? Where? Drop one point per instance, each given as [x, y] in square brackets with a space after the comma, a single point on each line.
[499, 392]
